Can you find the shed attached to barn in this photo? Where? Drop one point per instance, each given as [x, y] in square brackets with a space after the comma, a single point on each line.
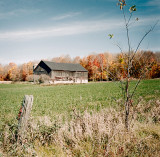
[62, 72]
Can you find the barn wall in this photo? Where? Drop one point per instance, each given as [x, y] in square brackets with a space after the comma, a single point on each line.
[39, 71]
[81, 74]
[78, 81]
[68, 74]
[70, 77]
[61, 74]
[42, 68]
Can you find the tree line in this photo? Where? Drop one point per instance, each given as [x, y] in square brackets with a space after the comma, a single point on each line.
[101, 67]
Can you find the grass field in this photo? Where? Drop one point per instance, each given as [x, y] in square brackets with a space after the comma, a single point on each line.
[57, 100]
[61, 99]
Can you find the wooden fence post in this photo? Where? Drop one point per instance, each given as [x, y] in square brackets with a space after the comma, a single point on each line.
[24, 115]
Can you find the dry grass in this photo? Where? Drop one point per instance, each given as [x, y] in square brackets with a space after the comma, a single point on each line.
[90, 134]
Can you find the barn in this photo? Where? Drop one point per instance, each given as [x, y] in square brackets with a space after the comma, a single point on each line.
[62, 72]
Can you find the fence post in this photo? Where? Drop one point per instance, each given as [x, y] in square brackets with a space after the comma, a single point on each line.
[24, 115]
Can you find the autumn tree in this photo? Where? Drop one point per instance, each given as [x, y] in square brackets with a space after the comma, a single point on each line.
[26, 70]
[62, 59]
[76, 59]
[109, 59]
[1, 73]
[102, 65]
[157, 54]
[91, 67]
[11, 72]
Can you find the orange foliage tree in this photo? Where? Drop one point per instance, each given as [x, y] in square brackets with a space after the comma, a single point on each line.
[102, 66]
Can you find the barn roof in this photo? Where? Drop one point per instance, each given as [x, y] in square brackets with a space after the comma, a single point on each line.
[64, 66]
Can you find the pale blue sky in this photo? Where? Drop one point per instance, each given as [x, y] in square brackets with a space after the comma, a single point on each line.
[39, 29]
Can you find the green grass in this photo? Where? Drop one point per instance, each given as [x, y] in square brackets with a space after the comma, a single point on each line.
[62, 99]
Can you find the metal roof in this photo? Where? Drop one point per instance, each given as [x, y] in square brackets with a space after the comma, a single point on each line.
[65, 66]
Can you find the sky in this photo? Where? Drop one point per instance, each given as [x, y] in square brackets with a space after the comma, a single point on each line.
[43, 29]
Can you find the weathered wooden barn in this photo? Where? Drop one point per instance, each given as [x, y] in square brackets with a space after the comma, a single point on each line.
[62, 72]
